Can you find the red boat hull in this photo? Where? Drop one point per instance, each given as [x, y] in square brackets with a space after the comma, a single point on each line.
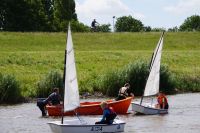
[92, 108]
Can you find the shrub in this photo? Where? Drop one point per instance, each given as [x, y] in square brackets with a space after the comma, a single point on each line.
[52, 79]
[136, 74]
[167, 80]
[79, 27]
[9, 89]
[188, 84]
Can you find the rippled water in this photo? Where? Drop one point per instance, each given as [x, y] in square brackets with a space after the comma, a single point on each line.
[183, 117]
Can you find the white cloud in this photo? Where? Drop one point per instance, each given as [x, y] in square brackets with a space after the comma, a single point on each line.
[184, 6]
[103, 11]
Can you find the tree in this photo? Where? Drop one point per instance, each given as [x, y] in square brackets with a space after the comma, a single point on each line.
[128, 24]
[191, 24]
[79, 27]
[174, 29]
[104, 28]
[36, 15]
[64, 11]
[14, 15]
[147, 28]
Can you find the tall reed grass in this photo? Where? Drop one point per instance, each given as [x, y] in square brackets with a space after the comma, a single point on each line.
[136, 75]
[9, 89]
[52, 80]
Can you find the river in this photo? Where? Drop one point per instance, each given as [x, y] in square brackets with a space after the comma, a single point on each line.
[183, 117]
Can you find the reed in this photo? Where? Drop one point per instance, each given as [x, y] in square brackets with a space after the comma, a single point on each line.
[9, 89]
[45, 86]
[136, 75]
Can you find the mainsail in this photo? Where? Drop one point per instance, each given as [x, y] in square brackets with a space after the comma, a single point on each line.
[71, 96]
[152, 85]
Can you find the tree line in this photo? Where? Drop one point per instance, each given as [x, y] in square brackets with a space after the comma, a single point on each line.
[54, 15]
[37, 15]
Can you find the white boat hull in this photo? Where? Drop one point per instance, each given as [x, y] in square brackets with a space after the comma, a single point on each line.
[77, 126]
[147, 110]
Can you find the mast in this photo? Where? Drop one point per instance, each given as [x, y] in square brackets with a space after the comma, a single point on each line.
[153, 59]
[64, 80]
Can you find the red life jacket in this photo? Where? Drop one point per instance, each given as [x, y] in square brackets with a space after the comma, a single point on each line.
[112, 114]
[162, 99]
[111, 110]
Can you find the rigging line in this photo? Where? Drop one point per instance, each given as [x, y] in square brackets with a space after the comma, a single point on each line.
[83, 122]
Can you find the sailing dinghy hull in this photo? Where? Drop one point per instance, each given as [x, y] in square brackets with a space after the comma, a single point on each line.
[92, 108]
[77, 126]
[147, 110]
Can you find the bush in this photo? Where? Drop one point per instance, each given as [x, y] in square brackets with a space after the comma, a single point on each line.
[104, 28]
[52, 79]
[128, 24]
[188, 84]
[136, 74]
[9, 89]
[79, 27]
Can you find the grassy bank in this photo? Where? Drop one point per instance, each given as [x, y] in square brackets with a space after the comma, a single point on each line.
[30, 56]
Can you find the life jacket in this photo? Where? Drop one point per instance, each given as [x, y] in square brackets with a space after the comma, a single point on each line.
[162, 99]
[123, 91]
[112, 114]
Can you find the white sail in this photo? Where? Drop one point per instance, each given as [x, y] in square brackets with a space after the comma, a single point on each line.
[71, 96]
[152, 85]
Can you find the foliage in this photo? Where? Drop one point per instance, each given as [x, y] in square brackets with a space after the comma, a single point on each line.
[174, 29]
[147, 28]
[192, 23]
[36, 15]
[64, 11]
[188, 83]
[9, 89]
[104, 28]
[136, 74]
[45, 86]
[128, 24]
[79, 27]
[29, 56]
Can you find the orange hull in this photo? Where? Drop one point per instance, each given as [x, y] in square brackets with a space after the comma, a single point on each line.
[92, 108]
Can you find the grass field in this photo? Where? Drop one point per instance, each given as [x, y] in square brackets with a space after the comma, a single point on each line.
[30, 56]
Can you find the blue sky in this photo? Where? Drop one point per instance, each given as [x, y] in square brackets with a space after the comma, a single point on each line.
[154, 13]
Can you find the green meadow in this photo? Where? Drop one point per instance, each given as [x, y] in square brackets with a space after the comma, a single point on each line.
[30, 56]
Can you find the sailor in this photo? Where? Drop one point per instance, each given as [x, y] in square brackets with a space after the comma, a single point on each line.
[108, 114]
[53, 99]
[124, 92]
[162, 101]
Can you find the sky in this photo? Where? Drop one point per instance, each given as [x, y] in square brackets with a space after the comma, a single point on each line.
[154, 13]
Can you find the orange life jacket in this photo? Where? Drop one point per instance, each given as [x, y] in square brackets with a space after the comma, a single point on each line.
[162, 99]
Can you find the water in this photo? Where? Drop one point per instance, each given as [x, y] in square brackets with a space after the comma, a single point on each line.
[183, 117]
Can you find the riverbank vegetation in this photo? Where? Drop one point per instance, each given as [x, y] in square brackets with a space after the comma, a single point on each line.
[9, 89]
[29, 57]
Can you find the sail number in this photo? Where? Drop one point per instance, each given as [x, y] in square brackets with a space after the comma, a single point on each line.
[97, 128]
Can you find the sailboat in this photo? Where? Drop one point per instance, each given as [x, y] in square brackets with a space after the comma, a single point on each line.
[72, 102]
[152, 85]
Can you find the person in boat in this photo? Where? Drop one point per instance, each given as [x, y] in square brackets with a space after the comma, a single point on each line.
[124, 92]
[94, 25]
[162, 101]
[108, 114]
[53, 99]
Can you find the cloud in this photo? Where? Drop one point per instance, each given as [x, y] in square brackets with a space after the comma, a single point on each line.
[103, 10]
[184, 6]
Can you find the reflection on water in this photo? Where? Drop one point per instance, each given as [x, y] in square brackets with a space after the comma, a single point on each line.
[183, 117]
